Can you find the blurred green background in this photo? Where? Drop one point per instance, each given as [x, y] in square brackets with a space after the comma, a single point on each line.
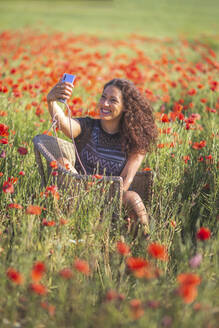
[115, 18]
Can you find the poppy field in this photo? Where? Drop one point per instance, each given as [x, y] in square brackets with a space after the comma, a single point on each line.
[77, 268]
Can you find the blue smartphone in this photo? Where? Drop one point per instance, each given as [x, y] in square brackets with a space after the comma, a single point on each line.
[67, 78]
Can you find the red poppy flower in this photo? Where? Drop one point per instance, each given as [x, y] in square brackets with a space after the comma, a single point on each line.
[4, 141]
[210, 110]
[22, 151]
[3, 113]
[165, 98]
[165, 118]
[4, 89]
[77, 100]
[136, 263]
[199, 145]
[38, 271]
[173, 223]
[15, 276]
[122, 248]
[47, 132]
[188, 293]
[203, 234]
[14, 205]
[186, 159]
[147, 272]
[33, 209]
[137, 309]
[111, 295]
[214, 85]
[8, 187]
[192, 92]
[66, 273]
[63, 221]
[21, 173]
[50, 308]
[48, 223]
[82, 266]
[200, 159]
[197, 306]
[158, 251]
[53, 164]
[55, 173]
[135, 303]
[146, 169]
[52, 190]
[188, 286]
[12, 180]
[189, 279]
[4, 130]
[39, 289]
[97, 176]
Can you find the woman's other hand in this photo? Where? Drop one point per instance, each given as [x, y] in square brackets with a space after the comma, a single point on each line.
[62, 90]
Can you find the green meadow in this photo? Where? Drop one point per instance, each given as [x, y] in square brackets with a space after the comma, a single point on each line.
[114, 18]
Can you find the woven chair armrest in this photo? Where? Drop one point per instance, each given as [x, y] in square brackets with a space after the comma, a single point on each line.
[116, 182]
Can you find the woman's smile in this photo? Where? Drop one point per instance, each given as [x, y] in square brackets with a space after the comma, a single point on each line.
[105, 111]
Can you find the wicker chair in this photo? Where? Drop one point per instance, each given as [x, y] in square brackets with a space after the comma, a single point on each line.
[53, 148]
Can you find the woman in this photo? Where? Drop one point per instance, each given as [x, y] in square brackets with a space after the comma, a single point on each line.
[116, 143]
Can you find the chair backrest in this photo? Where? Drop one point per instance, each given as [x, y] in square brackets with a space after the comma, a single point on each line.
[142, 184]
[53, 148]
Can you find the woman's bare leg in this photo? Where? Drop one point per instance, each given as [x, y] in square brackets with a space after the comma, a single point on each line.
[135, 207]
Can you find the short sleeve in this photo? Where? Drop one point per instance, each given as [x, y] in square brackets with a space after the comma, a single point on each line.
[86, 124]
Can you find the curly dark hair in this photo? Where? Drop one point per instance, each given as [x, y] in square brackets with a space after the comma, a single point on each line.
[137, 125]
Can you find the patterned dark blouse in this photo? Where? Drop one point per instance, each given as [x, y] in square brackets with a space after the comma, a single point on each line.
[99, 151]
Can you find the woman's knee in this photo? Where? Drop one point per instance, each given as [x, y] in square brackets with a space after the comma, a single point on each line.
[131, 198]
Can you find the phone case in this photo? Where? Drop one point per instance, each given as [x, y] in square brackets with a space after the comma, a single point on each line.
[67, 78]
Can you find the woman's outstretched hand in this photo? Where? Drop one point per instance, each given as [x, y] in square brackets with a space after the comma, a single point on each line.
[62, 90]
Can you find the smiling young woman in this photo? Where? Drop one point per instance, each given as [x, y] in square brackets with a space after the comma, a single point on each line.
[115, 144]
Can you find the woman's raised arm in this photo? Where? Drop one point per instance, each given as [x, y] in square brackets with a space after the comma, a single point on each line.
[62, 90]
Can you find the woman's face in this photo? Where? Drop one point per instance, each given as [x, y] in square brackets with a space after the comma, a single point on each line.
[111, 104]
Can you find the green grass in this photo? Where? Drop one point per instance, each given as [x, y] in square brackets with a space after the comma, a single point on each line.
[116, 18]
[186, 180]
